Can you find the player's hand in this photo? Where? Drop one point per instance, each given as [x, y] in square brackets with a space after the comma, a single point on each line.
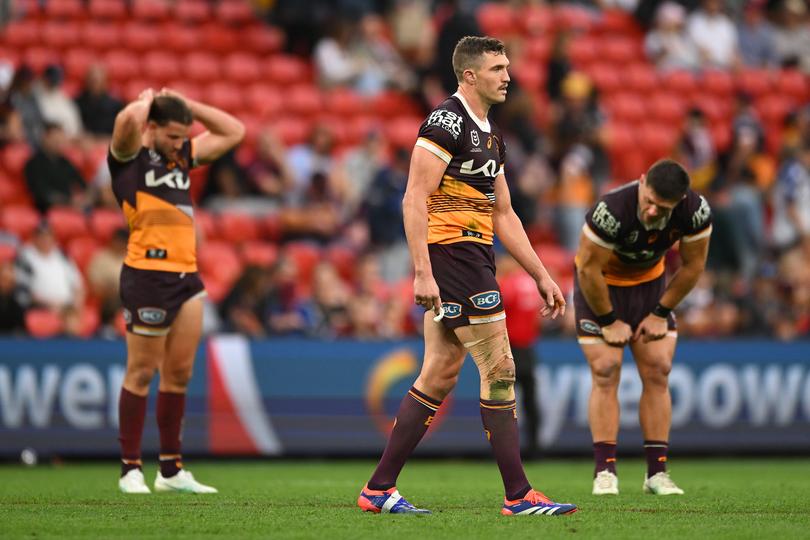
[426, 293]
[553, 297]
[617, 334]
[652, 328]
[147, 96]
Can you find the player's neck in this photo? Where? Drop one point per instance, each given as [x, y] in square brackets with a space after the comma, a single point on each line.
[478, 107]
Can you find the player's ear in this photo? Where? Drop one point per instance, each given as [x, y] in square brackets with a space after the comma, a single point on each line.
[469, 76]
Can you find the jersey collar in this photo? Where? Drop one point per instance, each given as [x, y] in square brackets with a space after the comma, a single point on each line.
[482, 125]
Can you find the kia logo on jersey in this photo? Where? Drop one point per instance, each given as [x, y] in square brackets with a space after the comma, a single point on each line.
[486, 300]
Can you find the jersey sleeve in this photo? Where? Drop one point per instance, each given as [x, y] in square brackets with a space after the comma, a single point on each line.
[115, 164]
[501, 154]
[602, 225]
[441, 134]
[698, 218]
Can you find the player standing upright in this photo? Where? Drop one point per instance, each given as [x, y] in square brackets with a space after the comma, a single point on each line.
[621, 297]
[456, 199]
[150, 158]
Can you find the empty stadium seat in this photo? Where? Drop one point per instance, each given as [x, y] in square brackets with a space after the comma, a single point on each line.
[496, 19]
[122, 65]
[626, 107]
[715, 109]
[160, 67]
[201, 67]
[241, 67]
[19, 220]
[89, 321]
[81, 251]
[343, 259]
[150, 10]
[14, 157]
[401, 131]
[67, 223]
[140, 36]
[618, 22]
[773, 108]
[101, 36]
[717, 82]
[263, 99]
[12, 192]
[272, 228]
[7, 252]
[755, 82]
[667, 107]
[192, 11]
[640, 77]
[218, 38]
[344, 102]
[64, 9]
[605, 77]
[107, 9]
[657, 140]
[234, 12]
[22, 34]
[77, 61]
[104, 222]
[620, 50]
[621, 138]
[262, 39]
[721, 136]
[206, 224]
[61, 34]
[286, 69]
[256, 253]
[792, 83]
[291, 130]
[219, 261]
[538, 50]
[679, 81]
[583, 51]
[238, 227]
[305, 256]
[42, 323]
[180, 38]
[531, 76]
[38, 58]
[536, 19]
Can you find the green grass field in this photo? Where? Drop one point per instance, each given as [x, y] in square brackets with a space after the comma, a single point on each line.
[729, 498]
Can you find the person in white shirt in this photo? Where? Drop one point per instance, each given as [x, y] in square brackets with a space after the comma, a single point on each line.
[56, 106]
[715, 35]
[667, 44]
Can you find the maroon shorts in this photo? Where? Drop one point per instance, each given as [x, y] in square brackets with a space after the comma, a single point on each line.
[465, 273]
[631, 305]
[151, 298]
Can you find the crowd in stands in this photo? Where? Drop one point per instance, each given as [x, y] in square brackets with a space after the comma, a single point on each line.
[300, 228]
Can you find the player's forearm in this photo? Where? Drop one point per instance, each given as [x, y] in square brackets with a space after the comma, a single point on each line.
[217, 121]
[415, 214]
[682, 282]
[594, 288]
[513, 237]
[129, 124]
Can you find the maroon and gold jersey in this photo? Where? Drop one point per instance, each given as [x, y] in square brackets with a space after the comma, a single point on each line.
[460, 210]
[638, 251]
[154, 195]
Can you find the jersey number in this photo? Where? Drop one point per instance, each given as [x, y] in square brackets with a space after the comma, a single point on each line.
[174, 179]
[490, 168]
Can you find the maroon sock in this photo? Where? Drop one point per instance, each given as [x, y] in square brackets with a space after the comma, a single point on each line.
[131, 414]
[500, 423]
[413, 419]
[656, 452]
[604, 455]
[170, 411]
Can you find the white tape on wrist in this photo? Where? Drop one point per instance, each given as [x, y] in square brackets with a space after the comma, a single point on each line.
[440, 316]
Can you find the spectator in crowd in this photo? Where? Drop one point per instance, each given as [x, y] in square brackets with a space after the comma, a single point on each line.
[56, 106]
[308, 159]
[103, 273]
[668, 45]
[50, 279]
[368, 301]
[757, 38]
[269, 173]
[51, 177]
[11, 128]
[227, 186]
[575, 192]
[358, 168]
[715, 35]
[98, 108]
[696, 150]
[327, 312]
[413, 32]
[559, 65]
[455, 20]
[793, 35]
[336, 62]
[12, 314]
[791, 202]
[382, 65]
[24, 102]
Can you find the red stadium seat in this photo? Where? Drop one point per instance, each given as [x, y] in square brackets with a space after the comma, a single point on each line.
[237, 227]
[180, 38]
[101, 36]
[582, 51]
[89, 321]
[621, 138]
[618, 22]
[264, 100]
[496, 19]
[107, 9]
[12, 192]
[81, 251]
[43, 323]
[220, 261]
[627, 107]
[556, 258]
[536, 20]
[19, 220]
[14, 157]
[343, 259]
[159, 67]
[139, 36]
[225, 96]
[605, 77]
[680, 82]
[264, 254]
[234, 12]
[38, 58]
[104, 222]
[286, 69]
[401, 131]
[721, 136]
[305, 256]
[122, 65]
[272, 228]
[291, 130]
[717, 82]
[67, 223]
[61, 35]
[262, 39]
[218, 38]
[640, 77]
[538, 50]
[75, 155]
[132, 89]
[192, 11]
[657, 140]
[755, 82]
[7, 252]
[188, 88]
[242, 68]
[773, 108]
[22, 34]
[206, 225]
[77, 62]
[531, 76]
[150, 10]
[573, 17]
[304, 100]
[667, 107]
[620, 50]
[64, 9]
[344, 102]
[713, 107]
[390, 104]
[792, 83]
[202, 67]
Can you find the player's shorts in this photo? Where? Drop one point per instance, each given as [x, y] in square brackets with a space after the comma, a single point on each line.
[465, 273]
[152, 298]
[631, 305]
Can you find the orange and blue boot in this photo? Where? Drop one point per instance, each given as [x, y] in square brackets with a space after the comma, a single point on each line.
[535, 503]
[386, 502]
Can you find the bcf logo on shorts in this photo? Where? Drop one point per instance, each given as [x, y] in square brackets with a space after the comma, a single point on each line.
[486, 300]
[151, 315]
[451, 310]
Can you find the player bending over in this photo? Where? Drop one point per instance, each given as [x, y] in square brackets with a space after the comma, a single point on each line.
[150, 158]
[621, 298]
[456, 199]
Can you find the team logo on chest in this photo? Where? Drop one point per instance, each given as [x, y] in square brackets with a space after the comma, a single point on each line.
[154, 157]
[632, 237]
[474, 136]
[174, 179]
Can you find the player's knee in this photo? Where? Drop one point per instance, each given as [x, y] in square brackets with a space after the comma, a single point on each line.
[655, 371]
[139, 378]
[499, 380]
[606, 371]
[176, 376]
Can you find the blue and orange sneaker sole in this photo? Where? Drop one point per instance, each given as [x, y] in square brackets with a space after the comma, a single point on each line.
[535, 503]
[386, 502]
